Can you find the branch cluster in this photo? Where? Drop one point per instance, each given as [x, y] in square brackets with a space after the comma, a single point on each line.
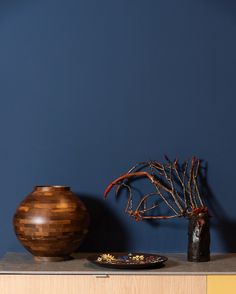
[174, 183]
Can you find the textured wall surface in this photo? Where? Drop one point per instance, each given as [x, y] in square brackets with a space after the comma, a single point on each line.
[88, 88]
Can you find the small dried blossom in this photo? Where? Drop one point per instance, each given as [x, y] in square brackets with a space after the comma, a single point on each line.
[137, 257]
[106, 257]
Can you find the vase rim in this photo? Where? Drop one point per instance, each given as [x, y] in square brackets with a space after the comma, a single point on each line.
[52, 187]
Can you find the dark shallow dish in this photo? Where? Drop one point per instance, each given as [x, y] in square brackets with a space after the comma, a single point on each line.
[127, 260]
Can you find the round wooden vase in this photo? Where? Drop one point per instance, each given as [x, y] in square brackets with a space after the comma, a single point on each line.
[51, 223]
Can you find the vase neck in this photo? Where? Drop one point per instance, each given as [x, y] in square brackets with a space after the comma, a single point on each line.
[52, 188]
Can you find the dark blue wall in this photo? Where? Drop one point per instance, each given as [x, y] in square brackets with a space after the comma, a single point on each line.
[88, 88]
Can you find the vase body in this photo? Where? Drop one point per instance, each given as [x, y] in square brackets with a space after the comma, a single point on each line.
[199, 237]
[51, 222]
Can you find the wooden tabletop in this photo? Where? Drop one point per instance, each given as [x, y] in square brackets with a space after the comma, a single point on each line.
[23, 263]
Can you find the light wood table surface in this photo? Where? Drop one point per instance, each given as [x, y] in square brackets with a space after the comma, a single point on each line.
[20, 274]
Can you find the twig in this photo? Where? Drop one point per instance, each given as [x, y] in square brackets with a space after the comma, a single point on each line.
[172, 192]
[144, 198]
[196, 183]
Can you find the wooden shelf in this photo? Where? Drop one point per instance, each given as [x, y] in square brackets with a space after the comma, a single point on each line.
[19, 273]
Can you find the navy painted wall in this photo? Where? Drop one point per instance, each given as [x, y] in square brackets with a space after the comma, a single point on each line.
[88, 88]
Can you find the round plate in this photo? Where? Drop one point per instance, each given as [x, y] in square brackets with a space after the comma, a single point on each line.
[128, 260]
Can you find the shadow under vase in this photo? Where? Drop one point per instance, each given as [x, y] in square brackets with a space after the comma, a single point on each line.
[106, 232]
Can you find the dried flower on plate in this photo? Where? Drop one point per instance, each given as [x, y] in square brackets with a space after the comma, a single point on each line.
[106, 257]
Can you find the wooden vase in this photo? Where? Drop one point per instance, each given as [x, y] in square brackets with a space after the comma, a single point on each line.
[51, 222]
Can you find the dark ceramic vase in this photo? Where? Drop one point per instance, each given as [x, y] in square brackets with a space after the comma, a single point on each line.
[51, 223]
[199, 237]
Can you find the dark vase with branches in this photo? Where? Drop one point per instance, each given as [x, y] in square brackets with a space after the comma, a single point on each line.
[176, 185]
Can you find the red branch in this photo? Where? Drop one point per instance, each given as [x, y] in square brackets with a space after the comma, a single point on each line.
[174, 183]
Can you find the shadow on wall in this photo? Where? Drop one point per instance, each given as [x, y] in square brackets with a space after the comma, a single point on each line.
[106, 233]
[225, 225]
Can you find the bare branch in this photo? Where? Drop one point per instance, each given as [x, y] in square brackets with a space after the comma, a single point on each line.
[162, 216]
[196, 183]
[144, 199]
[165, 200]
[173, 191]
[128, 172]
[175, 184]
[130, 197]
